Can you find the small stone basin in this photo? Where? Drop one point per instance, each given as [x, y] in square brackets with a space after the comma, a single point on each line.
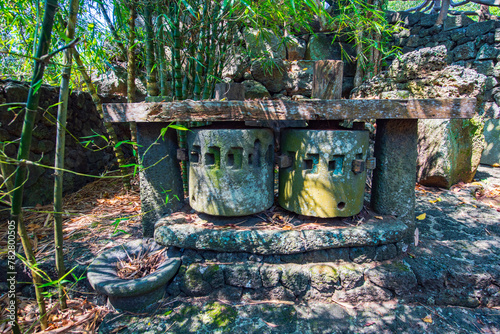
[132, 295]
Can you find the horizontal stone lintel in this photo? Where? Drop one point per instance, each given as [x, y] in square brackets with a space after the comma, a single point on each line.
[374, 232]
[252, 110]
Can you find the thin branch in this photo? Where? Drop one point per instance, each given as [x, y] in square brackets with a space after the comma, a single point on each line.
[457, 4]
[46, 58]
[419, 7]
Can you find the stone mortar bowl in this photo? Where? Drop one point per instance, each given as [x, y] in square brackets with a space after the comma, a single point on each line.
[132, 295]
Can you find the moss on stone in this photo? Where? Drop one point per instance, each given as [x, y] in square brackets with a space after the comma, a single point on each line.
[219, 314]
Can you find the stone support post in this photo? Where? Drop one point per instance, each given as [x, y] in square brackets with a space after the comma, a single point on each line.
[160, 178]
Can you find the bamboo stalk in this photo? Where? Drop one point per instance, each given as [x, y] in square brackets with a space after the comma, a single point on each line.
[152, 85]
[131, 68]
[23, 154]
[62, 112]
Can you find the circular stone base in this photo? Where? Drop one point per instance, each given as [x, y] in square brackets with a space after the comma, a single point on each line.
[132, 295]
[204, 232]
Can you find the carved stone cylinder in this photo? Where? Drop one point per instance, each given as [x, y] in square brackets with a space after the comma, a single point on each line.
[231, 171]
[328, 172]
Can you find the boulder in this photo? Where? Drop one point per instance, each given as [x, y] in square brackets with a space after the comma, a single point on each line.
[264, 43]
[491, 153]
[298, 80]
[236, 66]
[255, 90]
[270, 73]
[296, 48]
[323, 47]
[448, 150]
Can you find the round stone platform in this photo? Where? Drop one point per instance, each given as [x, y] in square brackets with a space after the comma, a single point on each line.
[256, 235]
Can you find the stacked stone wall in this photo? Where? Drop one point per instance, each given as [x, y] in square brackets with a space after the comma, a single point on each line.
[83, 120]
[474, 45]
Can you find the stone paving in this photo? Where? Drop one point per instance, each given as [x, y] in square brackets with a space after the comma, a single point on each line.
[448, 283]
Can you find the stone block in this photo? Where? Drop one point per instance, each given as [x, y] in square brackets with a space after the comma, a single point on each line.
[428, 20]
[491, 152]
[393, 189]
[487, 51]
[200, 280]
[386, 252]
[456, 21]
[296, 48]
[244, 276]
[270, 73]
[485, 67]
[480, 28]
[264, 42]
[362, 254]
[464, 51]
[255, 90]
[296, 278]
[448, 151]
[396, 276]
[324, 278]
[299, 78]
[270, 275]
[366, 293]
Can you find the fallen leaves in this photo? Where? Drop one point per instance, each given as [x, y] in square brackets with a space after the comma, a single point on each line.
[428, 319]
[141, 265]
[422, 216]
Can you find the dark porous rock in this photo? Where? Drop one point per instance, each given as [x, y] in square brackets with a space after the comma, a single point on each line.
[386, 252]
[229, 293]
[298, 80]
[464, 51]
[232, 257]
[191, 256]
[270, 73]
[293, 258]
[362, 254]
[350, 276]
[316, 256]
[396, 276]
[200, 280]
[457, 297]
[296, 278]
[480, 28]
[430, 273]
[485, 67]
[264, 43]
[449, 151]
[365, 293]
[418, 64]
[487, 51]
[270, 275]
[338, 254]
[255, 90]
[324, 278]
[456, 21]
[428, 20]
[245, 276]
[493, 300]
